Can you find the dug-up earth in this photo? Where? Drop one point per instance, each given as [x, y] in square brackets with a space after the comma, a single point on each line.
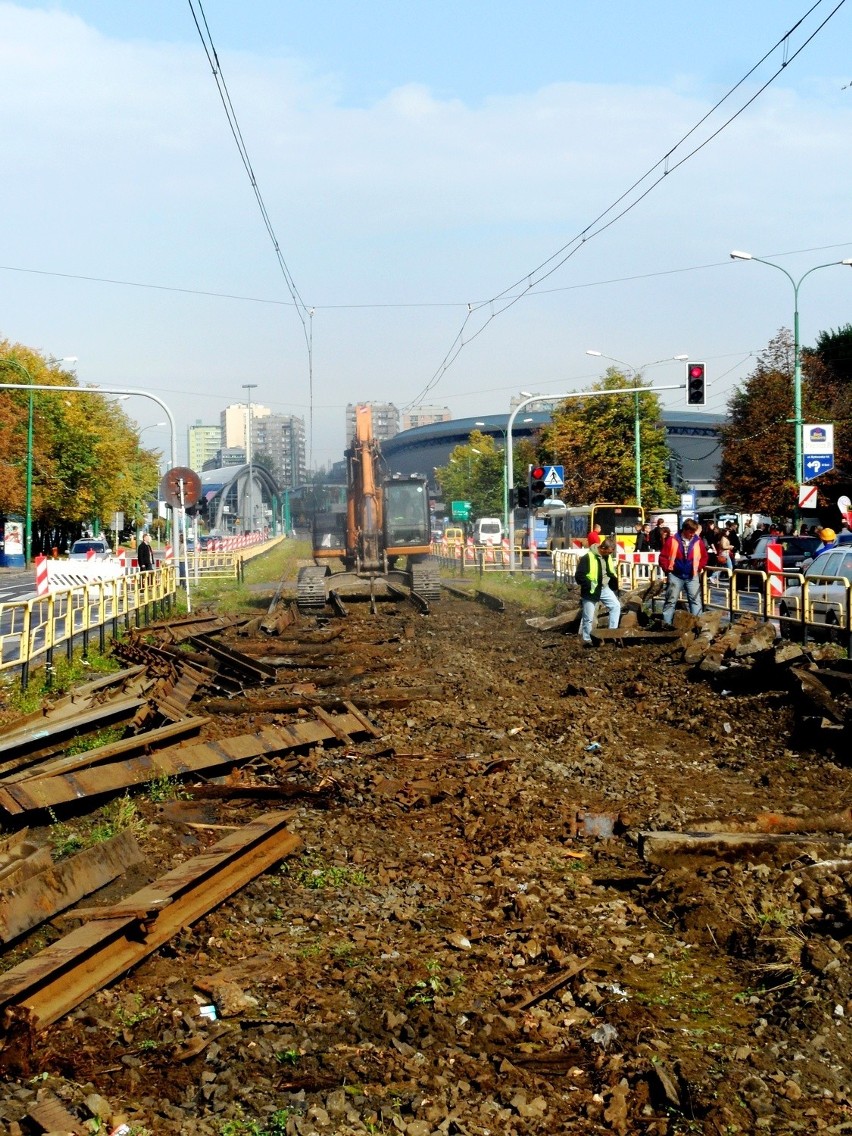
[468, 940]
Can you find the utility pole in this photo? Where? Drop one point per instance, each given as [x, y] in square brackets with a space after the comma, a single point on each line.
[249, 387]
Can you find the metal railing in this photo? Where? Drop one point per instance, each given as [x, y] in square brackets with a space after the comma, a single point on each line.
[32, 629]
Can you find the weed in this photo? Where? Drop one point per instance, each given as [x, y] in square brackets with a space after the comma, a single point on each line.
[149, 1045]
[118, 816]
[95, 741]
[426, 990]
[165, 788]
[65, 841]
[133, 1016]
[276, 1125]
[289, 1056]
[337, 876]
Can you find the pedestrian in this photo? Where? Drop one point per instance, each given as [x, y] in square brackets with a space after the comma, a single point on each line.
[657, 535]
[750, 543]
[597, 577]
[594, 536]
[828, 538]
[736, 543]
[145, 554]
[724, 548]
[683, 559]
[643, 538]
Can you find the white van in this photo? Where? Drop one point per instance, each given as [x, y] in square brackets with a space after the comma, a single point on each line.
[489, 530]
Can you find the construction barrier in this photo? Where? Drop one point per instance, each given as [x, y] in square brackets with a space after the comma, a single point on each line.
[32, 629]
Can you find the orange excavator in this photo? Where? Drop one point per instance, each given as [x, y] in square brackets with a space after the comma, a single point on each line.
[386, 521]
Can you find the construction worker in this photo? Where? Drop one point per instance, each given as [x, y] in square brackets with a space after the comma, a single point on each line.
[597, 578]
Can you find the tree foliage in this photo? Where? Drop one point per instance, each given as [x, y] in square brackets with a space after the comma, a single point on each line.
[757, 471]
[475, 473]
[594, 439]
[86, 457]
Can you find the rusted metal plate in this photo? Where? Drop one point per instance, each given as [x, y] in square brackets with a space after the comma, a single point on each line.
[50, 1115]
[48, 792]
[139, 743]
[50, 984]
[235, 661]
[59, 885]
[39, 735]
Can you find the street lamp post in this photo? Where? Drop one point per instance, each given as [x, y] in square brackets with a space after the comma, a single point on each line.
[797, 353]
[33, 387]
[637, 430]
[556, 398]
[249, 387]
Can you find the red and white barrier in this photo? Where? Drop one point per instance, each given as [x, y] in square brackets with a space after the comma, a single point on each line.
[41, 576]
[775, 566]
[638, 557]
[533, 555]
[470, 551]
[507, 551]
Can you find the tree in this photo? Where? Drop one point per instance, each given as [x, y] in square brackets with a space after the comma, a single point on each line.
[475, 473]
[86, 457]
[757, 471]
[593, 438]
[829, 398]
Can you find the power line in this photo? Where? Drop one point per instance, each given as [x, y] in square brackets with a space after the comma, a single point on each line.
[305, 314]
[659, 171]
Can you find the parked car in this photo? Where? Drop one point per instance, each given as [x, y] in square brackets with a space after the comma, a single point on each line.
[827, 581]
[80, 549]
[795, 550]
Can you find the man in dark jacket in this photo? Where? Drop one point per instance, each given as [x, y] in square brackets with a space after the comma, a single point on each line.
[145, 554]
[597, 577]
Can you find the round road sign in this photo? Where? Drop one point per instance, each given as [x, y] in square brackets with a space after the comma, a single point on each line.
[170, 487]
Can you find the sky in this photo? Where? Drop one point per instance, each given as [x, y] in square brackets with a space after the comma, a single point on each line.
[419, 162]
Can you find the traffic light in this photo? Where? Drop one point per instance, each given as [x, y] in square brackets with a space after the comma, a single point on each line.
[695, 375]
[522, 497]
[538, 492]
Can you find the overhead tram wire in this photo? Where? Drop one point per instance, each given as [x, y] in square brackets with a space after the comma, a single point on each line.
[510, 295]
[304, 313]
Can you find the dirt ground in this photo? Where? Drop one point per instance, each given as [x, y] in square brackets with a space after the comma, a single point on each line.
[458, 947]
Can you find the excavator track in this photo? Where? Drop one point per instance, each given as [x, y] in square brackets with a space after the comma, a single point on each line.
[310, 589]
[425, 580]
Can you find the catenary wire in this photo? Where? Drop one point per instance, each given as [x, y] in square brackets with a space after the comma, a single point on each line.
[305, 314]
[508, 297]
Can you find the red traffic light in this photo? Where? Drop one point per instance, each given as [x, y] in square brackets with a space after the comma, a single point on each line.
[695, 384]
[537, 473]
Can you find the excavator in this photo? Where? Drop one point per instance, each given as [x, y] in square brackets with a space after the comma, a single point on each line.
[386, 520]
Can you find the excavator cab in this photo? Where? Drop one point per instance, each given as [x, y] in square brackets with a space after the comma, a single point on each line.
[406, 517]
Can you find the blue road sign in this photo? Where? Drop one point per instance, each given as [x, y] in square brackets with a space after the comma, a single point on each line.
[816, 465]
[554, 477]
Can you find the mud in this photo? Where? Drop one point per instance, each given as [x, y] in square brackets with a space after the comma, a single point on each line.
[469, 942]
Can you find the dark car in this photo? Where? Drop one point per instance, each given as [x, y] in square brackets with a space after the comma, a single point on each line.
[795, 550]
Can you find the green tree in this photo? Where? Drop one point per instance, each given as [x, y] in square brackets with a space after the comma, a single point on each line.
[475, 473]
[828, 398]
[87, 461]
[593, 438]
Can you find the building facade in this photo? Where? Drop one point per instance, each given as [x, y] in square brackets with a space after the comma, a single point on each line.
[234, 420]
[281, 439]
[202, 444]
[385, 420]
[425, 416]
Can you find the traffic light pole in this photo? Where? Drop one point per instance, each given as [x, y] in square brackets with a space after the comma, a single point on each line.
[552, 398]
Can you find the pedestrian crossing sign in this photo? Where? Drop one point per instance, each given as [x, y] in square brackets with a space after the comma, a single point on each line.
[554, 477]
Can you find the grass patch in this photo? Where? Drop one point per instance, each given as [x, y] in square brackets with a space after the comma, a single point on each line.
[533, 595]
[55, 681]
[281, 562]
[95, 741]
[118, 816]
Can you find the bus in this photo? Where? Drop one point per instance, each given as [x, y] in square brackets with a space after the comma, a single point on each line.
[570, 527]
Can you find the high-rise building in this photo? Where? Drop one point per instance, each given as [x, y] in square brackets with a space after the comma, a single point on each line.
[281, 439]
[385, 420]
[425, 416]
[202, 444]
[234, 419]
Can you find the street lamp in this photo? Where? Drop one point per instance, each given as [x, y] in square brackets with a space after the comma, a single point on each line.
[249, 387]
[32, 387]
[797, 354]
[556, 398]
[637, 433]
[505, 479]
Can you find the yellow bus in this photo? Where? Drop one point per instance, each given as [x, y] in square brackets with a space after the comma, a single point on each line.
[570, 527]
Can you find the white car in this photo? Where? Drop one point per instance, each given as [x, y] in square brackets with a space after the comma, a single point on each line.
[828, 580]
[80, 549]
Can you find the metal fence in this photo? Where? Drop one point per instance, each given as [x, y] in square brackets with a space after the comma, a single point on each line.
[31, 630]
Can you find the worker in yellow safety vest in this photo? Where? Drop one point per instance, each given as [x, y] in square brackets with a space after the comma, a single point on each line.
[597, 578]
